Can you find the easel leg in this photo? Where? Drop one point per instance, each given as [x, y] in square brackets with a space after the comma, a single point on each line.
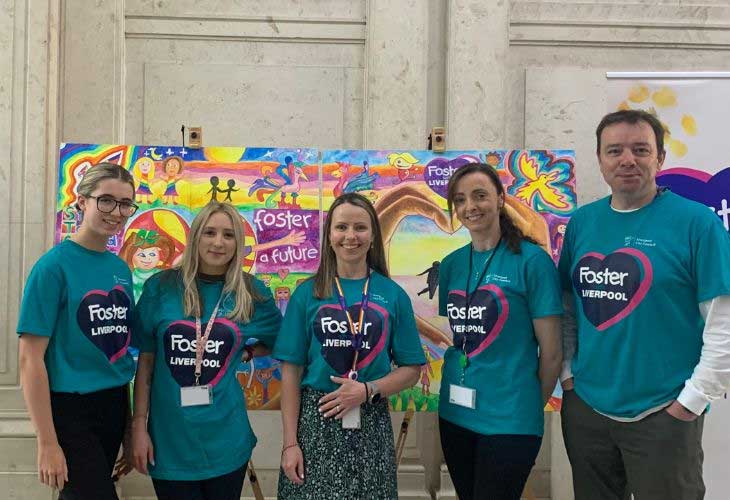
[401, 442]
[255, 486]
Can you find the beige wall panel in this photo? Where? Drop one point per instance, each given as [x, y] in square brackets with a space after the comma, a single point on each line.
[396, 88]
[564, 105]
[475, 76]
[8, 178]
[620, 24]
[287, 106]
[24, 487]
[92, 72]
[143, 54]
[350, 9]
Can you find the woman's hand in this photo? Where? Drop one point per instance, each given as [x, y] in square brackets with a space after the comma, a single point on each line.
[292, 463]
[125, 463]
[142, 448]
[52, 469]
[350, 394]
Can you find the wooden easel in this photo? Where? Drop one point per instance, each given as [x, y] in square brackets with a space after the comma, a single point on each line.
[255, 486]
[401, 442]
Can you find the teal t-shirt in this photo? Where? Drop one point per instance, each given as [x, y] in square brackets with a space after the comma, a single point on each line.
[198, 442]
[315, 333]
[82, 300]
[637, 279]
[500, 339]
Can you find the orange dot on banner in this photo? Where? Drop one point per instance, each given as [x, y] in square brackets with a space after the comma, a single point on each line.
[677, 148]
[665, 97]
[638, 93]
[689, 125]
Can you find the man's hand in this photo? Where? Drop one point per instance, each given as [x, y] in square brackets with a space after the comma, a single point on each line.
[680, 412]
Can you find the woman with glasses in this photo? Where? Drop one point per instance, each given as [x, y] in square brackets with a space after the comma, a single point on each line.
[343, 331]
[75, 328]
[190, 428]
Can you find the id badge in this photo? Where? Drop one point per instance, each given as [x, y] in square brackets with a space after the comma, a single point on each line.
[462, 396]
[196, 395]
[351, 419]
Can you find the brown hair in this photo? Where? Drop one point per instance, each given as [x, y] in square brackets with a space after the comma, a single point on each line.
[511, 234]
[101, 172]
[324, 278]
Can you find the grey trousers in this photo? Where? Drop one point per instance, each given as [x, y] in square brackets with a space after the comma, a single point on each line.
[656, 458]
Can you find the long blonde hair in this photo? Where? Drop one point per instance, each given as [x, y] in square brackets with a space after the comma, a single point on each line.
[236, 282]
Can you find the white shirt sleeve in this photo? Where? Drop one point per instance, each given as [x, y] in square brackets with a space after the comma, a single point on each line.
[570, 335]
[711, 377]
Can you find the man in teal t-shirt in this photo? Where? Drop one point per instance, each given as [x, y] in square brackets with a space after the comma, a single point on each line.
[647, 280]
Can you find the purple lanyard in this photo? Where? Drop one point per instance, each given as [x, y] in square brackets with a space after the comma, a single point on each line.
[357, 333]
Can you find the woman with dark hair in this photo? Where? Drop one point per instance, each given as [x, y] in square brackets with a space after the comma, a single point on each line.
[190, 428]
[342, 331]
[502, 298]
[75, 328]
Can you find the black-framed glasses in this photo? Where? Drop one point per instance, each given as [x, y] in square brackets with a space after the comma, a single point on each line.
[107, 205]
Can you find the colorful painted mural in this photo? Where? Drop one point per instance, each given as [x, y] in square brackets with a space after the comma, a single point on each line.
[283, 196]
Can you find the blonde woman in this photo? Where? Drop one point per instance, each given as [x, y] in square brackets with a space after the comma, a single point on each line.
[75, 328]
[190, 428]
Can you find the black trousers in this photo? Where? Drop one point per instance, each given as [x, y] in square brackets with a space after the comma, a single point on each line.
[225, 487]
[488, 467]
[655, 458]
[90, 428]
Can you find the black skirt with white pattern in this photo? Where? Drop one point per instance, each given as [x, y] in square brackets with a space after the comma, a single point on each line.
[343, 464]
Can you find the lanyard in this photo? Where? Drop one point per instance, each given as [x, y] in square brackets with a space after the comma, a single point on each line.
[202, 340]
[357, 333]
[470, 295]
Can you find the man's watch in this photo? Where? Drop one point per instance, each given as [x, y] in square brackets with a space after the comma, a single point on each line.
[375, 395]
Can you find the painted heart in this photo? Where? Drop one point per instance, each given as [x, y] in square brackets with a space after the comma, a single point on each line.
[332, 331]
[283, 273]
[483, 322]
[105, 320]
[611, 287]
[438, 171]
[179, 342]
[710, 190]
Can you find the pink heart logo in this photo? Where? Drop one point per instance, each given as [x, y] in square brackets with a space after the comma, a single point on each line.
[104, 319]
[333, 332]
[611, 286]
[482, 323]
[179, 347]
[283, 273]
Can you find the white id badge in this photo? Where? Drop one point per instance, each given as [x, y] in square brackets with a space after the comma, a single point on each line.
[196, 395]
[462, 396]
[351, 419]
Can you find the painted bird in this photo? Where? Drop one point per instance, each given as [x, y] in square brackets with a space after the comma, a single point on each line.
[289, 173]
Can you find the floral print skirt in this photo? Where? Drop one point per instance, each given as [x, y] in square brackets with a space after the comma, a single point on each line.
[343, 464]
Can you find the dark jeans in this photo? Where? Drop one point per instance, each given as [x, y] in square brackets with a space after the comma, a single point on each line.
[488, 467]
[90, 428]
[225, 487]
[656, 458]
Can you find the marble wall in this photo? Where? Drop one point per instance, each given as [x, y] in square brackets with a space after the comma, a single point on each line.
[325, 73]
